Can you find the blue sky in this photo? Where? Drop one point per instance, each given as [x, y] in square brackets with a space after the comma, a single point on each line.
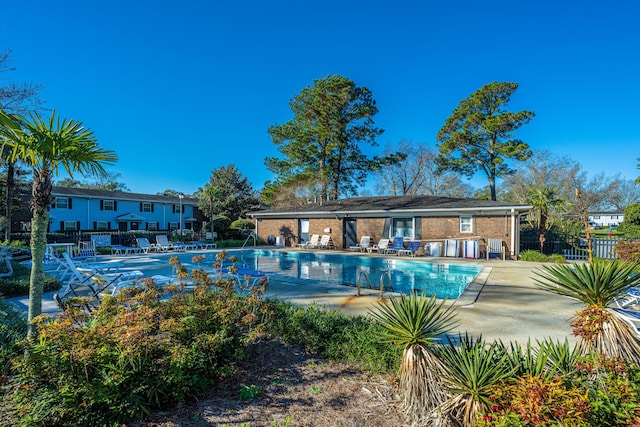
[178, 89]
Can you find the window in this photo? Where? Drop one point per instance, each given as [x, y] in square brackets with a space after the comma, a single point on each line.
[62, 203]
[173, 226]
[70, 226]
[466, 224]
[146, 207]
[152, 226]
[102, 225]
[403, 227]
[108, 205]
[176, 208]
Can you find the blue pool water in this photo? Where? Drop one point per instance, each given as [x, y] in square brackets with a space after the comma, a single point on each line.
[442, 280]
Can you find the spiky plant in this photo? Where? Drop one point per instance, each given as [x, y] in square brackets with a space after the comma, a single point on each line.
[597, 286]
[415, 324]
[471, 369]
[562, 358]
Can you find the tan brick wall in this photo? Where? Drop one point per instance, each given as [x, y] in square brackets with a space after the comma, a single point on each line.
[433, 228]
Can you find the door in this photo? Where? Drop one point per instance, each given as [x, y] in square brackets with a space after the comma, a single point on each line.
[122, 226]
[304, 230]
[350, 234]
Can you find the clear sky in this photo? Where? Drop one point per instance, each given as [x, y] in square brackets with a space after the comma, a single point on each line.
[178, 89]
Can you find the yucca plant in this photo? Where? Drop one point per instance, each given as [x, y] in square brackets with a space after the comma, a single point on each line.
[471, 369]
[597, 286]
[527, 360]
[562, 358]
[415, 324]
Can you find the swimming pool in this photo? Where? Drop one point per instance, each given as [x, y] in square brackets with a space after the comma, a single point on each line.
[443, 280]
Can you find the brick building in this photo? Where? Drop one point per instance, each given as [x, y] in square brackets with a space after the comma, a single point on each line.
[423, 218]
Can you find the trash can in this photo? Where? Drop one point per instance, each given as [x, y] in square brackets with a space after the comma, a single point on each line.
[280, 241]
[433, 249]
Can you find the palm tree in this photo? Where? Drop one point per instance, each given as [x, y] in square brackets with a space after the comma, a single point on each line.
[544, 200]
[597, 286]
[415, 323]
[47, 146]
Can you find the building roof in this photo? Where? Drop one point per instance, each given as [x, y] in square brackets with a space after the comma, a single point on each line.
[91, 193]
[395, 205]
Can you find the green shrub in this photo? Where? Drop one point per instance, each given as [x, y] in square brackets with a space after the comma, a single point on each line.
[334, 335]
[134, 354]
[18, 284]
[531, 255]
[13, 328]
[536, 256]
[242, 224]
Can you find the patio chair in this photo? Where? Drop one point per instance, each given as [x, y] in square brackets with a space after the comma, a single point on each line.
[495, 248]
[325, 242]
[630, 298]
[312, 243]
[124, 250]
[470, 249]
[382, 245]
[398, 244]
[144, 245]
[204, 245]
[86, 250]
[410, 250]
[162, 243]
[365, 241]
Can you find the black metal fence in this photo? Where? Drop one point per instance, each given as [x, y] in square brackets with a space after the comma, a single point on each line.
[125, 238]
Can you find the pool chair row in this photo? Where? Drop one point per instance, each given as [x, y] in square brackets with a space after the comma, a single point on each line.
[317, 242]
[162, 245]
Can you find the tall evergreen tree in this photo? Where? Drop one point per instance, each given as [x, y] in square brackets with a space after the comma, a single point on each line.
[227, 193]
[478, 134]
[332, 120]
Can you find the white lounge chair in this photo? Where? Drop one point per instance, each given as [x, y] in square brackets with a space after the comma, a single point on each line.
[382, 246]
[495, 246]
[365, 241]
[312, 243]
[629, 316]
[162, 243]
[325, 242]
[144, 245]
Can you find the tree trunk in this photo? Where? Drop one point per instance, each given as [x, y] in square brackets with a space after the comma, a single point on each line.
[41, 198]
[39, 224]
[11, 183]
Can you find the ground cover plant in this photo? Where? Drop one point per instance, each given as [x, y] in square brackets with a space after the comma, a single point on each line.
[18, 284]
[228, 357]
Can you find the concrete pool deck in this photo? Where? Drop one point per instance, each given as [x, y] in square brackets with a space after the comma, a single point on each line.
[503, 303]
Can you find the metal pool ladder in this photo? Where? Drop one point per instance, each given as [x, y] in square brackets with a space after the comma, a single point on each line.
[385, 273]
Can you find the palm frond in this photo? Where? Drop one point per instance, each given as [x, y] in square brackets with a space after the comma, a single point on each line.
[414, 319]
[597, 284]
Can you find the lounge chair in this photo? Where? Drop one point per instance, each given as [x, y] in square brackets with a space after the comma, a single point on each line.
[398, 244]
[162, 243]
[630, 298]
[452, 248]
[629, 316]
[204, 245]
[312, 243]
[86, 250]
[144, 245]
[382, 245]
[495, 248]
[124, 250]
[325, 242]
[410, 250]
[365, 241]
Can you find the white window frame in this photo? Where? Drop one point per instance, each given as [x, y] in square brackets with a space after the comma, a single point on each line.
[466, 224]
[411, 228]
[67, 226]
[65, 204]
[108, 205]
[152, 226]
[102, 225]
[146, 207]
[173, 226]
